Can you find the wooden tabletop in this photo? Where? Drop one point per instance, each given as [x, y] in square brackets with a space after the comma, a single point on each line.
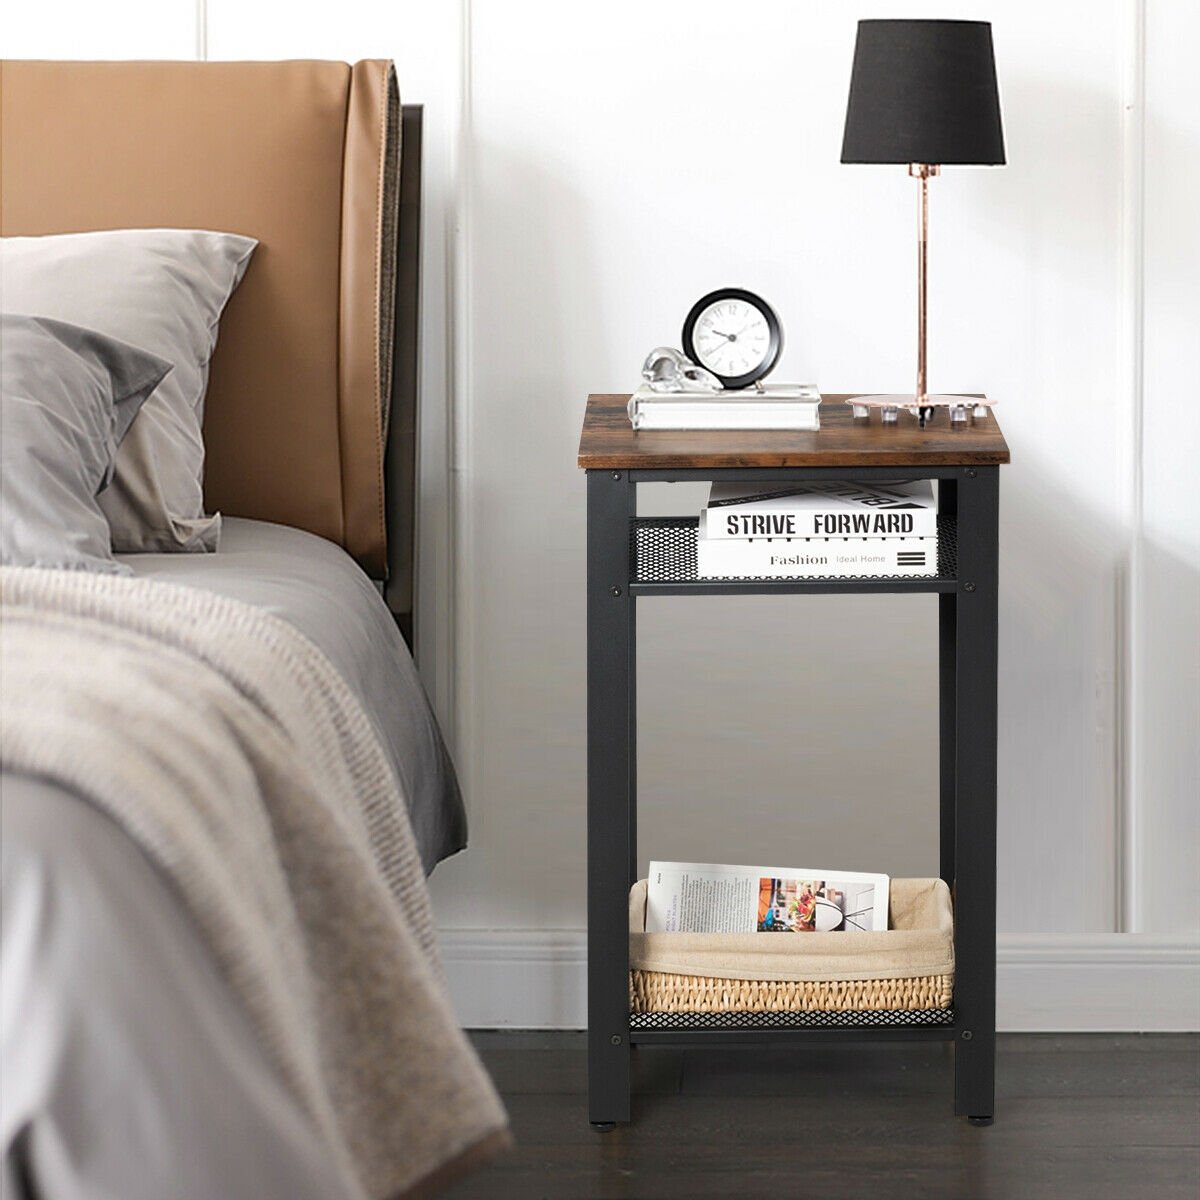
[608, 440]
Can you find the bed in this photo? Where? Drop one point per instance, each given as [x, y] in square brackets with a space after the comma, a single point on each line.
[223, 783]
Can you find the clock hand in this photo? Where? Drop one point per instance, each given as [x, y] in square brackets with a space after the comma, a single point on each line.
[731, 337]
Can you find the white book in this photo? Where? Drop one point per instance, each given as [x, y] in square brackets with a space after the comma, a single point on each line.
[837, 509]
[777, 406]
[815, 558]
[717, 898]
[742, 419]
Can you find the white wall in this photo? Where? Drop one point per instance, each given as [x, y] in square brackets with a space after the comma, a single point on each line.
[590, 171]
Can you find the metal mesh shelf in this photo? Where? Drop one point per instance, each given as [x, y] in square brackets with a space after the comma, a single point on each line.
[824, 1019]
[663, 552]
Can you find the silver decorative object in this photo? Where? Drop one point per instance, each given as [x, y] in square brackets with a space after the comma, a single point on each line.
[668, 370]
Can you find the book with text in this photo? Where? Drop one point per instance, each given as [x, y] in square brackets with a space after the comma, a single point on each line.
[816, 558]
[718, 898]
[838, 509]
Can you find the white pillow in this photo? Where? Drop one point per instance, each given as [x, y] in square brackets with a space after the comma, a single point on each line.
[162, 290]
[67, 398]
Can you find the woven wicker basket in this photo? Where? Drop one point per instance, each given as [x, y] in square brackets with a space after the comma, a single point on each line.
[657, 991]
[922, 921]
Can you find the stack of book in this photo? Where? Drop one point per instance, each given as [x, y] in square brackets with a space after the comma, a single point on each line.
[807, 531]
[774, 406]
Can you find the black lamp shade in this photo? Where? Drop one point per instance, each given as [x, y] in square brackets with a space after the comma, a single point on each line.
[923, 92]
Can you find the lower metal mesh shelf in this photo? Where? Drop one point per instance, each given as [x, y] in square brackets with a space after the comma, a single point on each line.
[663, 550]
[856, 1018]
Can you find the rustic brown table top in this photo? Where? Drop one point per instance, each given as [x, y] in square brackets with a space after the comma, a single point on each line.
[608, 440]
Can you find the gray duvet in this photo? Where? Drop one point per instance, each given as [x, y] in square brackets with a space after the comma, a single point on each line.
[98, 1104]
[316, 587]
[131, 1072]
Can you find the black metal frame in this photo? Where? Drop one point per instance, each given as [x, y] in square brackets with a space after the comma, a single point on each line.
[400, 455]
[967, 624]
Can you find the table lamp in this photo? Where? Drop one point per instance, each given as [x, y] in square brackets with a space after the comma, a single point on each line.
[923, 93]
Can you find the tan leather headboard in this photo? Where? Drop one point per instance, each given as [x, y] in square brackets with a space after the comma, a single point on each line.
[294, 154]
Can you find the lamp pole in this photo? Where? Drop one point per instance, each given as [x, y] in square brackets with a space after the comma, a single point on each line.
[922, 172]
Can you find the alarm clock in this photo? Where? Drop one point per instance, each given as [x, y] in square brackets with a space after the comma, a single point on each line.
[734, 334]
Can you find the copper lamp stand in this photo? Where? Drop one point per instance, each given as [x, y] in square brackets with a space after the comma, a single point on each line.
[921, 402]
[922, 172]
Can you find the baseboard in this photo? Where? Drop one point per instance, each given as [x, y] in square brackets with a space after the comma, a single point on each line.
[517, 980]
[1091, 983]
[1061, 983]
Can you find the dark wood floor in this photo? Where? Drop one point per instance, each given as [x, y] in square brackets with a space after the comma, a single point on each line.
[1091, 1116]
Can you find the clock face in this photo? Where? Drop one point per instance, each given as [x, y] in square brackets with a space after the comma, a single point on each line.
[735, 335]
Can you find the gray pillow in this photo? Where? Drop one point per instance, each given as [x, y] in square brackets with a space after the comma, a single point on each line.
[163, 290]
[67, 397]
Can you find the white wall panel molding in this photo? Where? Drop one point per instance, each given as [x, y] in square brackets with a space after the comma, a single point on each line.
[1162, 723]
[202, 30]
[1127, 894]
[1044, 983]
[465, 593]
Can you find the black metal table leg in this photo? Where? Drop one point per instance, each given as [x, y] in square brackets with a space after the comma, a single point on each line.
[947, 672]
[947, 732]
[975, 793]
[612, 790]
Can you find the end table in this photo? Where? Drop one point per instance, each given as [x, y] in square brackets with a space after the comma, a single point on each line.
[631, 558]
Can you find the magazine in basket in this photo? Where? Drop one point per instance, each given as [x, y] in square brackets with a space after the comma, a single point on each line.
[718, 898]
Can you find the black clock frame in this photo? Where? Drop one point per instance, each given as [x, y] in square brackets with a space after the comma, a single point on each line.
[774, 332]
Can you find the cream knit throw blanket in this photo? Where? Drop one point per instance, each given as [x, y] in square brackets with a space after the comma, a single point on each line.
[232, 752]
